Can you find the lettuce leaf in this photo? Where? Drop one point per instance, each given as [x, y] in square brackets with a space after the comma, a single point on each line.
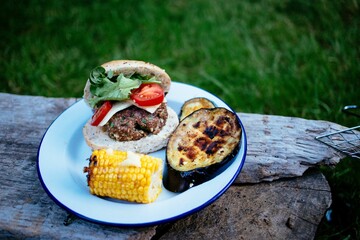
[103, 87]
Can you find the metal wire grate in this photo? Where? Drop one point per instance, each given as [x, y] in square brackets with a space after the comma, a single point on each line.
[346, 141]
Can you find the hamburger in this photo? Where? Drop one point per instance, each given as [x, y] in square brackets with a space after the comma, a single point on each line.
[130, 111]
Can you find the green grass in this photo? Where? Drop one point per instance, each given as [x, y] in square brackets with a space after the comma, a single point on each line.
[284, 57]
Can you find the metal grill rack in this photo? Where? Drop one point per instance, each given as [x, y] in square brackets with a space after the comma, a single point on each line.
[347, 140]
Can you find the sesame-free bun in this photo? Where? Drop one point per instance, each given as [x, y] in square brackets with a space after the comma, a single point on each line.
[129, 67]
[96, 138]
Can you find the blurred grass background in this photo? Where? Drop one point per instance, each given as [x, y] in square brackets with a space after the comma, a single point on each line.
[285, 57]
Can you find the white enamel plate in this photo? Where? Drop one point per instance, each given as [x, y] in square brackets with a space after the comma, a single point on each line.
[63, 154]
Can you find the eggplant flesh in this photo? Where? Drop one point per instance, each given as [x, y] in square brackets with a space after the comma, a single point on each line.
[203, 145]
[194, 104]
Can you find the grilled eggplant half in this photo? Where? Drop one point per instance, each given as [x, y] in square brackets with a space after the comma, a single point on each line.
[194, 104]
[201, 147]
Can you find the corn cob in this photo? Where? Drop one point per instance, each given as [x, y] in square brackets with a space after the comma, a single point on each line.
[116, 174]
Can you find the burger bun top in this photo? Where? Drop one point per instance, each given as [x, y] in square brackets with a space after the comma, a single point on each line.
[130, 67]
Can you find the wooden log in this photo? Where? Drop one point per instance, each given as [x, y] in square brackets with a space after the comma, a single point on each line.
[284, 209]
[280, 147]
[277, 147]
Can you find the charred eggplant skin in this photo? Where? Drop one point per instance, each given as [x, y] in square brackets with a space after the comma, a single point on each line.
[177, 181]
[203, 145]
[194, 104]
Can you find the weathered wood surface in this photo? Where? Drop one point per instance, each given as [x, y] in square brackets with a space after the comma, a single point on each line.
[286, 209]
[281, 147]
[278, 147]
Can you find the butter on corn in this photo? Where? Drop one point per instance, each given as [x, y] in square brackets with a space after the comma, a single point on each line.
[124, 175]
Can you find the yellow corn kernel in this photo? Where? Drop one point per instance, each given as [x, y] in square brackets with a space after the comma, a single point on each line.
[108, 177]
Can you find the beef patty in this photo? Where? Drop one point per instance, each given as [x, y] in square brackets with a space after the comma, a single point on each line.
[135, 123]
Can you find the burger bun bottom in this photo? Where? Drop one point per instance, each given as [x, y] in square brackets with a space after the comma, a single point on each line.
[96, 138]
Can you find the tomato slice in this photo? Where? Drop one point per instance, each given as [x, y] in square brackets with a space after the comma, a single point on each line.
[100, 113]
[148, 94]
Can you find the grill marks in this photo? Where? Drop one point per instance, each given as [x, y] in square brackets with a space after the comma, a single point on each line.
[202, 146]
[202, 143]
[205, 142]
[207, 138]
